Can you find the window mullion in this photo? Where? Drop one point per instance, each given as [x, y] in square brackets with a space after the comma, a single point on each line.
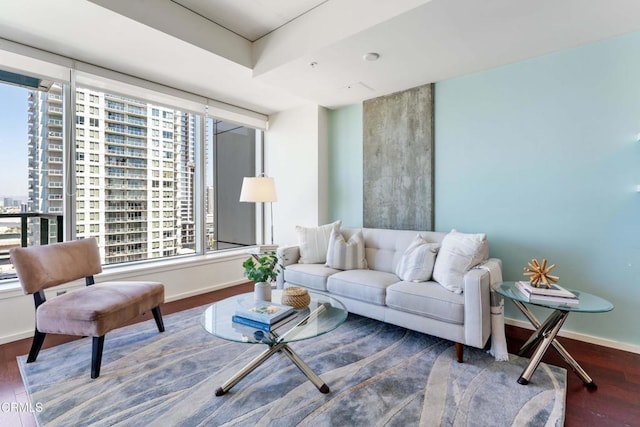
[69, 158]
[200, 186]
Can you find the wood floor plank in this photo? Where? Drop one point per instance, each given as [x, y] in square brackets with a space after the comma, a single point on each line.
[617, 373]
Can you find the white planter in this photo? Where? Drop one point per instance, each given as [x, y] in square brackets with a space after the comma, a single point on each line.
[262, 291]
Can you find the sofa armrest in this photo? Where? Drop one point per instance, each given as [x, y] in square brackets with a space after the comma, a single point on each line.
[477, 307]
[287, 255]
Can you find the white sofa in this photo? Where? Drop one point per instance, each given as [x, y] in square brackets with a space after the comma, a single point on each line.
[378, 293]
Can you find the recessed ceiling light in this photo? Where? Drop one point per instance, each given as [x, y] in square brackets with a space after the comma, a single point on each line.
[371, 56]
[313, 64]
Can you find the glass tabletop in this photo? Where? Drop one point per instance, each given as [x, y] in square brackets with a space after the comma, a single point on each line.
[323, 315]
[589, 303]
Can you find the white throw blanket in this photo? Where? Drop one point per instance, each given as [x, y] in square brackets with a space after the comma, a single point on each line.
[498, 339]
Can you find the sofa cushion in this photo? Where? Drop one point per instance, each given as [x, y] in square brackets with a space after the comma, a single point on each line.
[312, 276]
[344, 255]
[459, 253]
[416, 264]
[427, 299]
[314, 242]
[364, 285]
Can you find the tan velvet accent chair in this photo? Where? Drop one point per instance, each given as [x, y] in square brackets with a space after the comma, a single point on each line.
[91, 311]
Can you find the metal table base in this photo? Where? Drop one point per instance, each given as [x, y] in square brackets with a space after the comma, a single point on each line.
[262, 357]
[544, 336]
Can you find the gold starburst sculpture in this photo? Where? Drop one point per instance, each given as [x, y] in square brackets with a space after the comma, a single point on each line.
[539, 273]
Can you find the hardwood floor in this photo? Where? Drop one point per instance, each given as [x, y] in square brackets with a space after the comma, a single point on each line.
[616, 402]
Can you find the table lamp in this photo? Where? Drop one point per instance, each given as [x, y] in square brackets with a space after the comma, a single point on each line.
[259, 189]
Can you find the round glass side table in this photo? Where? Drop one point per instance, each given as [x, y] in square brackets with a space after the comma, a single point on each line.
[546, 331]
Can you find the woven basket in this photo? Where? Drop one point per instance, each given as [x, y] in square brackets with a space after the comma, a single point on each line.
[296, 297]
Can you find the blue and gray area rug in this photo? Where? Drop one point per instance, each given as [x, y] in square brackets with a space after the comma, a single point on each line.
[379, 375]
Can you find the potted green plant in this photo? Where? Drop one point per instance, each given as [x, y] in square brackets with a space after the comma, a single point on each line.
[262, 269]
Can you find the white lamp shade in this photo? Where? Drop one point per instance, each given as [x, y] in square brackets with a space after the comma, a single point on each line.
[258, 189]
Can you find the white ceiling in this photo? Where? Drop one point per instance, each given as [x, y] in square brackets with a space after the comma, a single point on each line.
[250, 19]
[207, 46]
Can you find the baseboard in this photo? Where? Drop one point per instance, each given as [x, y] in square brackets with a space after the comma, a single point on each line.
[16, 337]
[205, 290]
[580, 337]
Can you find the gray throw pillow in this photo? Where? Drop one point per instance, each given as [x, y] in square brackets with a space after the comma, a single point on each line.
[343, 255]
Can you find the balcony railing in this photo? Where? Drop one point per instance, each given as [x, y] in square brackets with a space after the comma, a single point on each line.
[22, 238]
[44, 226]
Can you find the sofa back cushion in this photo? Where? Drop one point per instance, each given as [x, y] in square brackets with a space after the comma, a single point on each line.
[384, 248]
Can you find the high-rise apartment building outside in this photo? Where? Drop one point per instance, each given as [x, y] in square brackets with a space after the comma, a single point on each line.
[45, 154]
[186, 163]
[134, 172]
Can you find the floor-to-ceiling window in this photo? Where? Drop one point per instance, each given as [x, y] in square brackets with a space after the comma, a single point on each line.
[122, 168]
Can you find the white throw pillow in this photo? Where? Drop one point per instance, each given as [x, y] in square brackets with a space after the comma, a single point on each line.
[349, 255]
[459, 253]
[314, 242]
[416, 264]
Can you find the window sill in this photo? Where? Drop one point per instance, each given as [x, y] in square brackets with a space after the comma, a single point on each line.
[11, 288]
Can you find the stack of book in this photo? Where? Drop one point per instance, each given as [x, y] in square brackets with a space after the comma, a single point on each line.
[556, 294]
[263, 315]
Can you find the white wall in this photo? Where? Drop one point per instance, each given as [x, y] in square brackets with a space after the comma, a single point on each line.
[296, 157]
[181, 278]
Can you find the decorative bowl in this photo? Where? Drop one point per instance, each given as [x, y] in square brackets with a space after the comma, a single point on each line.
[296, 297]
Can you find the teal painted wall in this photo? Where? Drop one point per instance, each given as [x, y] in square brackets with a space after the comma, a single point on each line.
[542, 156]
[345, 165]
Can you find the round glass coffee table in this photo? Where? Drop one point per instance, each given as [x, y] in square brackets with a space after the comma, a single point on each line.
[323, 315]
[546, 331]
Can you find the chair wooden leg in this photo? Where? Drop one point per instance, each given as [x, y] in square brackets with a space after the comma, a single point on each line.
[459, 351]
[36, 345]
[158, 317]
[96, 356]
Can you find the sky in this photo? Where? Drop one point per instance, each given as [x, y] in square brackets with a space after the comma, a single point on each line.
[13, 141]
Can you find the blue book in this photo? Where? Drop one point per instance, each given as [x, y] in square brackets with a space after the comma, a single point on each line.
[263, 311]
[260, 325]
